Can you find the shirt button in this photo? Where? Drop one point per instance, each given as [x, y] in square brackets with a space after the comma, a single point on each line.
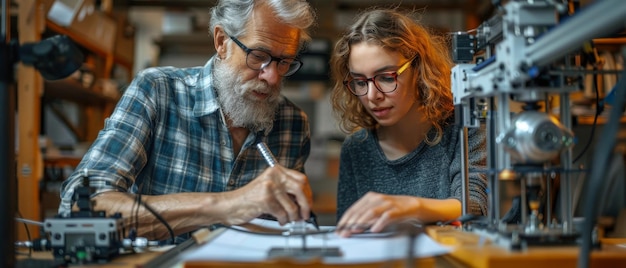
[231, 182]
[223, 143]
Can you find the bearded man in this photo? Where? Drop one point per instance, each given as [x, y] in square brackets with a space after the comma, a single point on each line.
[182, 140]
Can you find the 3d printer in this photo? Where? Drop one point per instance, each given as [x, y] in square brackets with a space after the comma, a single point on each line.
[527, 54]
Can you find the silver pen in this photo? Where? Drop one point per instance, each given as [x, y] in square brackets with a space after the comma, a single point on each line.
[271, 161]
[267, 154]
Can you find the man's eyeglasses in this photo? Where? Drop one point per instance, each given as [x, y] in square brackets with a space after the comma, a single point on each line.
[259, 59]
[384, 82]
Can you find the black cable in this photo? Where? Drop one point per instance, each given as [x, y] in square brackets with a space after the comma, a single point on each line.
[30, 250]
[133, 225]
[158, 216]
[136, 211]
[599, 110]
[594, 182]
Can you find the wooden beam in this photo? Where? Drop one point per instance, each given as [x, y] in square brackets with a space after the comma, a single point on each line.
[29, 91]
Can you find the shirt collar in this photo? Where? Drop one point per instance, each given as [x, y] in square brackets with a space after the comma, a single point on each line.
[205, 96]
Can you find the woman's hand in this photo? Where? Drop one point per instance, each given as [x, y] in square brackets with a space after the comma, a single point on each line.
[375, 211]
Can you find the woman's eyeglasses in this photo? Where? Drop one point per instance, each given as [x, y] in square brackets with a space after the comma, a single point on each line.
[384, 82]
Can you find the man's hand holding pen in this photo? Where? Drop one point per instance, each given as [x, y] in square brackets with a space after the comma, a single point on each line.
[281, 192]
[271, 161]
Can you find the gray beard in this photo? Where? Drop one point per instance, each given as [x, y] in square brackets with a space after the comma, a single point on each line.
[236, 102]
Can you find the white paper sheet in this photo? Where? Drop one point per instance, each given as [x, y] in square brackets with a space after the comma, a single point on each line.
[238, 246]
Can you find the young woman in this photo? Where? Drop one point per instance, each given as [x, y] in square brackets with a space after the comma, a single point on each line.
[401, 160]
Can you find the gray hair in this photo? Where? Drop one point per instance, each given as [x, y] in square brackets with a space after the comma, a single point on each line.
[233, 15]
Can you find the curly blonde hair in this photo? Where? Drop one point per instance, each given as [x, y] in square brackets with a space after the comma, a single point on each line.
[396, 31]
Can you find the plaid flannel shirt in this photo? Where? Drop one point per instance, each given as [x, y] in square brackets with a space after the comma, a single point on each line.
[167, 135]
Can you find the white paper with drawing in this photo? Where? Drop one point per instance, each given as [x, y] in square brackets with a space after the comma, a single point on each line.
[239, 246]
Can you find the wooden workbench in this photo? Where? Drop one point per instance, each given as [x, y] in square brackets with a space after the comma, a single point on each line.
[472, 251]
[44, 259]
[469, 251]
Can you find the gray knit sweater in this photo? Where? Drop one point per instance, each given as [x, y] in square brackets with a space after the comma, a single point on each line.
[428, 171]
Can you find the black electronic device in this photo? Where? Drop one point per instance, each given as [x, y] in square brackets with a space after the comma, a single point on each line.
[86, 235]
